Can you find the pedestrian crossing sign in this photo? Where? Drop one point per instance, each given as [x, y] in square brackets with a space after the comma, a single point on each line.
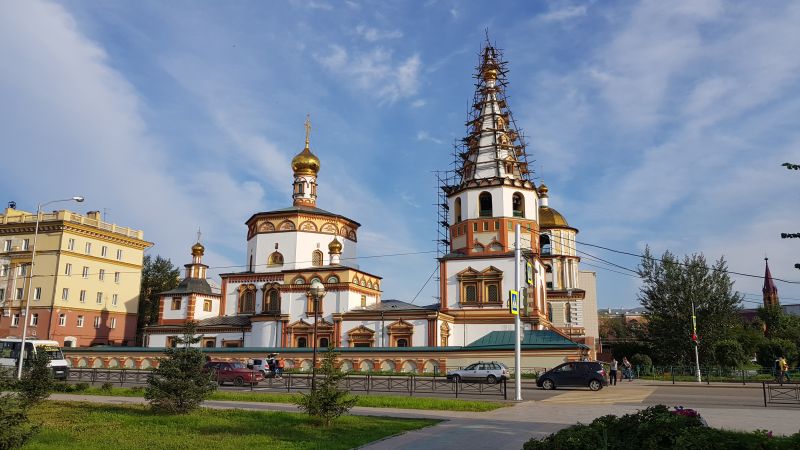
[513, 301]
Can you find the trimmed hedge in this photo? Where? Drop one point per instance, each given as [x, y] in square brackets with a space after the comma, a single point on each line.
[657, 428]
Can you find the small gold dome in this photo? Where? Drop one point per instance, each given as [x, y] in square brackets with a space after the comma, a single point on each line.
[305, 163]
[543, 189]
[550, 218]
[490, 73]
[335, 247]
[198, 249]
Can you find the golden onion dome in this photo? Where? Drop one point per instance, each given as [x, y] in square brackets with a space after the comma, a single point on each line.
[550, 218]
[305, 163]
[198, 249]
[543, 189]
[489, 73]
[335, 247]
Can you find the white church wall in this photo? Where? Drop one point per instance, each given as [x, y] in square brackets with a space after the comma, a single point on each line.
[296, 248]
[506, 265]
[171, 314]
[374, 325]
[199, 314]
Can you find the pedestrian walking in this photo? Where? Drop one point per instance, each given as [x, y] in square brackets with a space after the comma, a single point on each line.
[627, 371]
[784, 370]
[279, 364]
[612, 376]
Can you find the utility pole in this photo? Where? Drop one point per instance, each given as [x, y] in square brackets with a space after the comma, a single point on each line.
[696, 345]
[517, 323]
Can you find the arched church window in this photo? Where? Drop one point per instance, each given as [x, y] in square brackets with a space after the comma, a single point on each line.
[518, 205]
[457, 209]
[323, 342]
[273, 303]
[299, 280]
[247, 301]
[315, 279]
[485, 204]
[402, 342]
[333, 280]
[470, 293]
[316, 258]
[544, 243]
[275, 260]
[302, 342]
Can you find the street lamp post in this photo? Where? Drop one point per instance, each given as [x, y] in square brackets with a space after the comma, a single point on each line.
[316, 292]
[696, 345]
[30, 279]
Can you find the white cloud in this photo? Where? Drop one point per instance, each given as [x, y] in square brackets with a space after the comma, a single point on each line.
[425, 136]
[312, 4]
[566, 13]
[375, 71]
[373, 34]
[418, 103]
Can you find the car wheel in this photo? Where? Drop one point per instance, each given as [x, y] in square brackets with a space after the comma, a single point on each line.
[595, 385]
[548, 385]
[239, 381]
[264, 373]
[491, 379]
[456, 379]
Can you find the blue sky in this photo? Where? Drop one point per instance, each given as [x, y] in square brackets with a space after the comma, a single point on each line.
[660, 123]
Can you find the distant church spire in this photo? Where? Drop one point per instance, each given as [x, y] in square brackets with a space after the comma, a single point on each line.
[770, 291]
[305, 167]
[493, 147]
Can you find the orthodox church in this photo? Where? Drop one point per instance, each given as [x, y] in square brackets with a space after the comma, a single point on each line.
[269, 305]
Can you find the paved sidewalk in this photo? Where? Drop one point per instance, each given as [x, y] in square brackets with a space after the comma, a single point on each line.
[505, 428]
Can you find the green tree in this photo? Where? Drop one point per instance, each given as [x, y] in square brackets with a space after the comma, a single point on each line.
[669, 287]
[179, 384]
[778, 324]
[37, 379]
[158, 275]
[15, 427]
[772, 349]
[728, 353]
[327, 401]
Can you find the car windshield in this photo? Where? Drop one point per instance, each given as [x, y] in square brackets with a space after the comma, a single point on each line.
[53, 352]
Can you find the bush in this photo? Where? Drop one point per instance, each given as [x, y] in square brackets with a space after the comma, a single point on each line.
[772, 349]
[179, 384]
[327, 401]
[63, 387]
[644, 362]
[37, 379]
[80, 387]
[15, 428]
[729, 354]
[107, 386]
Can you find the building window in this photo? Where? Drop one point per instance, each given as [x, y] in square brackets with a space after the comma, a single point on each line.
[68, 269]
[544, 243]
[273, 301]
[99, 297]
[324, 342]
[15, 320]
[363, 301]
[518, 205]
[116, 277]
[119, 255]
[103, 251]
[7, 246]
[22, 270]
[20, 291]
[97, 322]
[4, 270]
[2, 294]
[302, 342]
[497, 225]
[207, 305]
[65, 294]
[402, 342]
[548, 275]
[275, 260]
[85, 272]
[485, 204]
[83, 296]
[113, 323]
[247, 299]
[114, 299]
[316, 258]
[88, 248]
[457, 209]
[37, 293]
[62, 320]
[333, 279]
[80, 321]
[470, 293]
[209, 342]
[34, 320]
[102, 274]
[71, 244]
[176, 303]
[474, 226]
[567, 312]
[26, 243]
[310, 306]
[485, 226]
[492, 293]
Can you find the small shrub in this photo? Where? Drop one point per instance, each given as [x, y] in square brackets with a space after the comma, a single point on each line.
[80, 387]
[107, 386]
[37, 380]
[644, 362]
[63, 387]
[15, 427]
[137, 389]
[327, 401]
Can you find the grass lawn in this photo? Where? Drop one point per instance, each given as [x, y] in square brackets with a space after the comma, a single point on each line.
[74, 425]
[370, 401]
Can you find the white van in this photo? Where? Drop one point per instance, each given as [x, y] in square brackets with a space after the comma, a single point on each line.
[9, 354]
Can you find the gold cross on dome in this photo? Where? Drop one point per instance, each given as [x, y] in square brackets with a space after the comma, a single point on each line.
[308, 128]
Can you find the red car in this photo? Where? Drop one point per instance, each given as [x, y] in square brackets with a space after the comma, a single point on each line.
[234, 372]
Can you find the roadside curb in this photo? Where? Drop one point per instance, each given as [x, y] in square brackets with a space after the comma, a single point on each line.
[705, 385]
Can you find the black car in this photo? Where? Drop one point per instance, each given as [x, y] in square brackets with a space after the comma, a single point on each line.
[579, 373]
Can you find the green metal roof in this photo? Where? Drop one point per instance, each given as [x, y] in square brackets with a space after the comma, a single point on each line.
[531, 339]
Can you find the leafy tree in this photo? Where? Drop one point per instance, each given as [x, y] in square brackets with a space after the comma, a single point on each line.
[772, 349]
[644, 362]
[669, 286]
[749, 336]
[327, 401]
[15, 427]
[158, 275]
[179, 384]
[778, 324]
[37, 380]
[728, 353]
[619, 329]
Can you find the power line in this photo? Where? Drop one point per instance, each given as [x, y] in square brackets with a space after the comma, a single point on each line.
[426, 283]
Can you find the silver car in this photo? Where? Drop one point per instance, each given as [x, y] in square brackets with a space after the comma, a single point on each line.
[490, 372]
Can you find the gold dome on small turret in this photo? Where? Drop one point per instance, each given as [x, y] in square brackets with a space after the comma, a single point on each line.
[490, 73]
[198, 249]
[305, 163]
[543, 188]
[335, 247]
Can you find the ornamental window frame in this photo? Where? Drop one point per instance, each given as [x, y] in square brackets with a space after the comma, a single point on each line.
[246, 303]
[475, 286]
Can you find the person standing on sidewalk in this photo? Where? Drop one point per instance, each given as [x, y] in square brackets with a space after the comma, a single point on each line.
[627, 371]
[612, 376]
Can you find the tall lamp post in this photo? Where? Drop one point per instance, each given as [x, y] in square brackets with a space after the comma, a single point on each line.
[696, 344]
[316, 292]
[30, 279]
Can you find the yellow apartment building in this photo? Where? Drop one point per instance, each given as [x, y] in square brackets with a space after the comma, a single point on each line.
[86, 280]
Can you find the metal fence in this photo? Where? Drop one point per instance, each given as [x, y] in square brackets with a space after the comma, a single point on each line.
[405, 384]
[777, 393]
[708, 374]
